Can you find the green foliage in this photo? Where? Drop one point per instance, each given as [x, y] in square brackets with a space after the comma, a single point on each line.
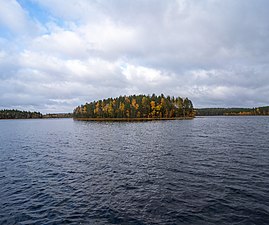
[57, 115]
[136, 106]
[233, 111]
[17, 114]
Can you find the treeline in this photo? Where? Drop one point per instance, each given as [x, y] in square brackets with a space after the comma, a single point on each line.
[17, 114]
[57, 115]
[136, 106]
[233, 111]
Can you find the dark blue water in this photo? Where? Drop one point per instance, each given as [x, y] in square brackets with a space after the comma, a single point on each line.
[212, 170]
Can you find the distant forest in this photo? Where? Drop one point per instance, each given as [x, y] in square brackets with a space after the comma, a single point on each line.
[140, 106]
[137, 106]
[57, 115]
[232, 111]
[17, 114]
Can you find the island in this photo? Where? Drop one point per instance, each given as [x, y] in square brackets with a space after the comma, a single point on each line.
[136, 108]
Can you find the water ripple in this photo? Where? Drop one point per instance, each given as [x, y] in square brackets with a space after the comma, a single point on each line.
[203, 171]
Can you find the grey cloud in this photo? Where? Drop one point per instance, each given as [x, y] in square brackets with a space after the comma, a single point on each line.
[214, 52]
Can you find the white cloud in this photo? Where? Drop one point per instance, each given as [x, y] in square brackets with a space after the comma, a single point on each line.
[109, 39]
[15, 19]
[140, 76]
[64, 44]
[214, 52]
[10, 14]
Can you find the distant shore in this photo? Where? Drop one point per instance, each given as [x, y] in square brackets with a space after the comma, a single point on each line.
[18, 114]
[130, 119]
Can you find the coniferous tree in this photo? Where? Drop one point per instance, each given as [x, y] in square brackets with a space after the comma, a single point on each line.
[140, 106]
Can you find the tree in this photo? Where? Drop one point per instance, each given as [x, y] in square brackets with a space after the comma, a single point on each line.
[140, 106]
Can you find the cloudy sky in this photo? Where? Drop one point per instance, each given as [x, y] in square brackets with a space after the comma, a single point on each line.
[57, 54]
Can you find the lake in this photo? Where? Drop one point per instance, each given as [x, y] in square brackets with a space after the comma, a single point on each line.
[211, 170]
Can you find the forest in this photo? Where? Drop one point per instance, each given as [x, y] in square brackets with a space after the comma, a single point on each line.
[57, 115]
[259, 111]
[137, 106]
[17, 114]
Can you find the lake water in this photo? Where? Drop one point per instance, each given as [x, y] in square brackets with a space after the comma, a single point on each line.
[212, 170]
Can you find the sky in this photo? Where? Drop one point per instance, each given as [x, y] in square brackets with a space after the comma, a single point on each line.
[58, 54]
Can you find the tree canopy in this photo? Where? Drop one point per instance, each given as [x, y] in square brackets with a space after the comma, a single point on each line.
[17, 114]
[233, 111]
[136, 106]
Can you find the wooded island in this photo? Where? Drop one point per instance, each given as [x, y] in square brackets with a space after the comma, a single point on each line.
[136, 107]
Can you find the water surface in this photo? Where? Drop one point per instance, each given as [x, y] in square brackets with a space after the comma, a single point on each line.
[211, 170]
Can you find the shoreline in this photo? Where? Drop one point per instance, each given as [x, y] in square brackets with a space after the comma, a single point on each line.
[35, 118]
[130, 119]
